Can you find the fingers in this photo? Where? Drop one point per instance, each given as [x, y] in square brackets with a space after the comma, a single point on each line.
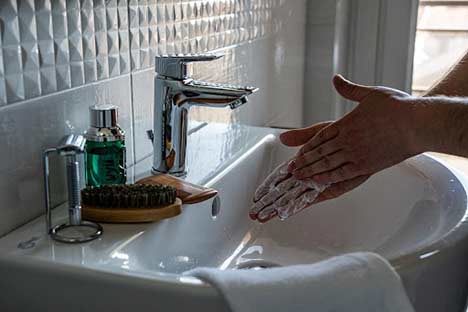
[300, 203]
[266, 215]
[293, 201]
[350, 90]
[314, 185]
[327, 163]
[285, 202]
[307, 198]
[291, 195]
[263, 213]
[340, 188]
[299, 137]
[325, 153]
[278, 175]
[340, 174]
[272, 195]
[326, 134]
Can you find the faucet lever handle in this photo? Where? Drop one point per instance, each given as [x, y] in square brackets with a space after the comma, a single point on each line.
[175, 66]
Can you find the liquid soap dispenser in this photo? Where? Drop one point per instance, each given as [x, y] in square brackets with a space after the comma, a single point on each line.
[105, 148]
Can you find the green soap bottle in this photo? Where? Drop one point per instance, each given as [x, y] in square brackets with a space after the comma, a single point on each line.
[105, 148]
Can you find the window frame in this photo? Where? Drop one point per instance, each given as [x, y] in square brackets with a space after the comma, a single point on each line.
[380, 37]
[419, 89]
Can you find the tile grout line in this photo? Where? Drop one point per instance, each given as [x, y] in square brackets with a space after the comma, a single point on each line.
[132, 105]
[132, 97]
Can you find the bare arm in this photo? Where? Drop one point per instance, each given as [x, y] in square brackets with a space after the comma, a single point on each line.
[441, 124]
[455, 82]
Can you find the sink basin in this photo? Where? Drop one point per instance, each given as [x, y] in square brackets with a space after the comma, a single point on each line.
[413, 214]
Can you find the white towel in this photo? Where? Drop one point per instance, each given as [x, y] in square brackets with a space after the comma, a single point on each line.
[361, 282]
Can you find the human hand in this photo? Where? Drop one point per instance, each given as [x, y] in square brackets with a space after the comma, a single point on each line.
[280, 180]
[281, 194]
[375, 135]
[298, 137]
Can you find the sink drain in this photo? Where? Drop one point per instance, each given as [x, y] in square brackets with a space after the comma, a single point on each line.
[256, 265]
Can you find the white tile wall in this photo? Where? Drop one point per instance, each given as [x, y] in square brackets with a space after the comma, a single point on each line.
[59, 57]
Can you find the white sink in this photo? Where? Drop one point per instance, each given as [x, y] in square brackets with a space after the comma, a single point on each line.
[413, 214]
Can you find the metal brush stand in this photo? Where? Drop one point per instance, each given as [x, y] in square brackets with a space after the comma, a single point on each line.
[71, 146]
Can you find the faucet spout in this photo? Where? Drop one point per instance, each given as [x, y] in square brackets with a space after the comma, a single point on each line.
[175, 93]
[200, 93]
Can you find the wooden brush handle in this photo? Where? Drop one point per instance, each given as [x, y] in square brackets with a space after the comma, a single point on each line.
[189, 193]
[131, 215]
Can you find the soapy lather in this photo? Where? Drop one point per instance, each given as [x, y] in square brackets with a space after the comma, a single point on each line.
[282, 195]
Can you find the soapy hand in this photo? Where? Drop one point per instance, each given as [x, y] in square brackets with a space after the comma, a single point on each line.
[299, 137]
[282, 195]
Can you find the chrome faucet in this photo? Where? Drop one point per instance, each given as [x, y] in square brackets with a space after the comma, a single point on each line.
[175, 93]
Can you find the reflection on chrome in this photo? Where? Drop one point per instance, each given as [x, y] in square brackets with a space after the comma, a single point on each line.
[174, 93]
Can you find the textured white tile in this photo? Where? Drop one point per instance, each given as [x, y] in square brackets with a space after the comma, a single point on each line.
[89, 45]
[3, 96]
[46, 54]
[77, 74]
[75, 46]
[48, 80]
[32, 83]
[124, 60]
[90, 70]
[13, 63]
[101, 44]
[62, 73]
[99, 17]
[102, 67]
[61, 51]
[14, 86]
[9, 17]
[27, 21]
[59, 19]
[111, 17]
[114, 65]
[45, 34]
[112, 43]
[30, 56]
[122, 16]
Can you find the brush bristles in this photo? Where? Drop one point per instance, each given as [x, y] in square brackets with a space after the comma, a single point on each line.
[129, 196]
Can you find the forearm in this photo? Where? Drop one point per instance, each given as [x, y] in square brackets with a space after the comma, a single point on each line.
[455, 82]
[440, 124]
